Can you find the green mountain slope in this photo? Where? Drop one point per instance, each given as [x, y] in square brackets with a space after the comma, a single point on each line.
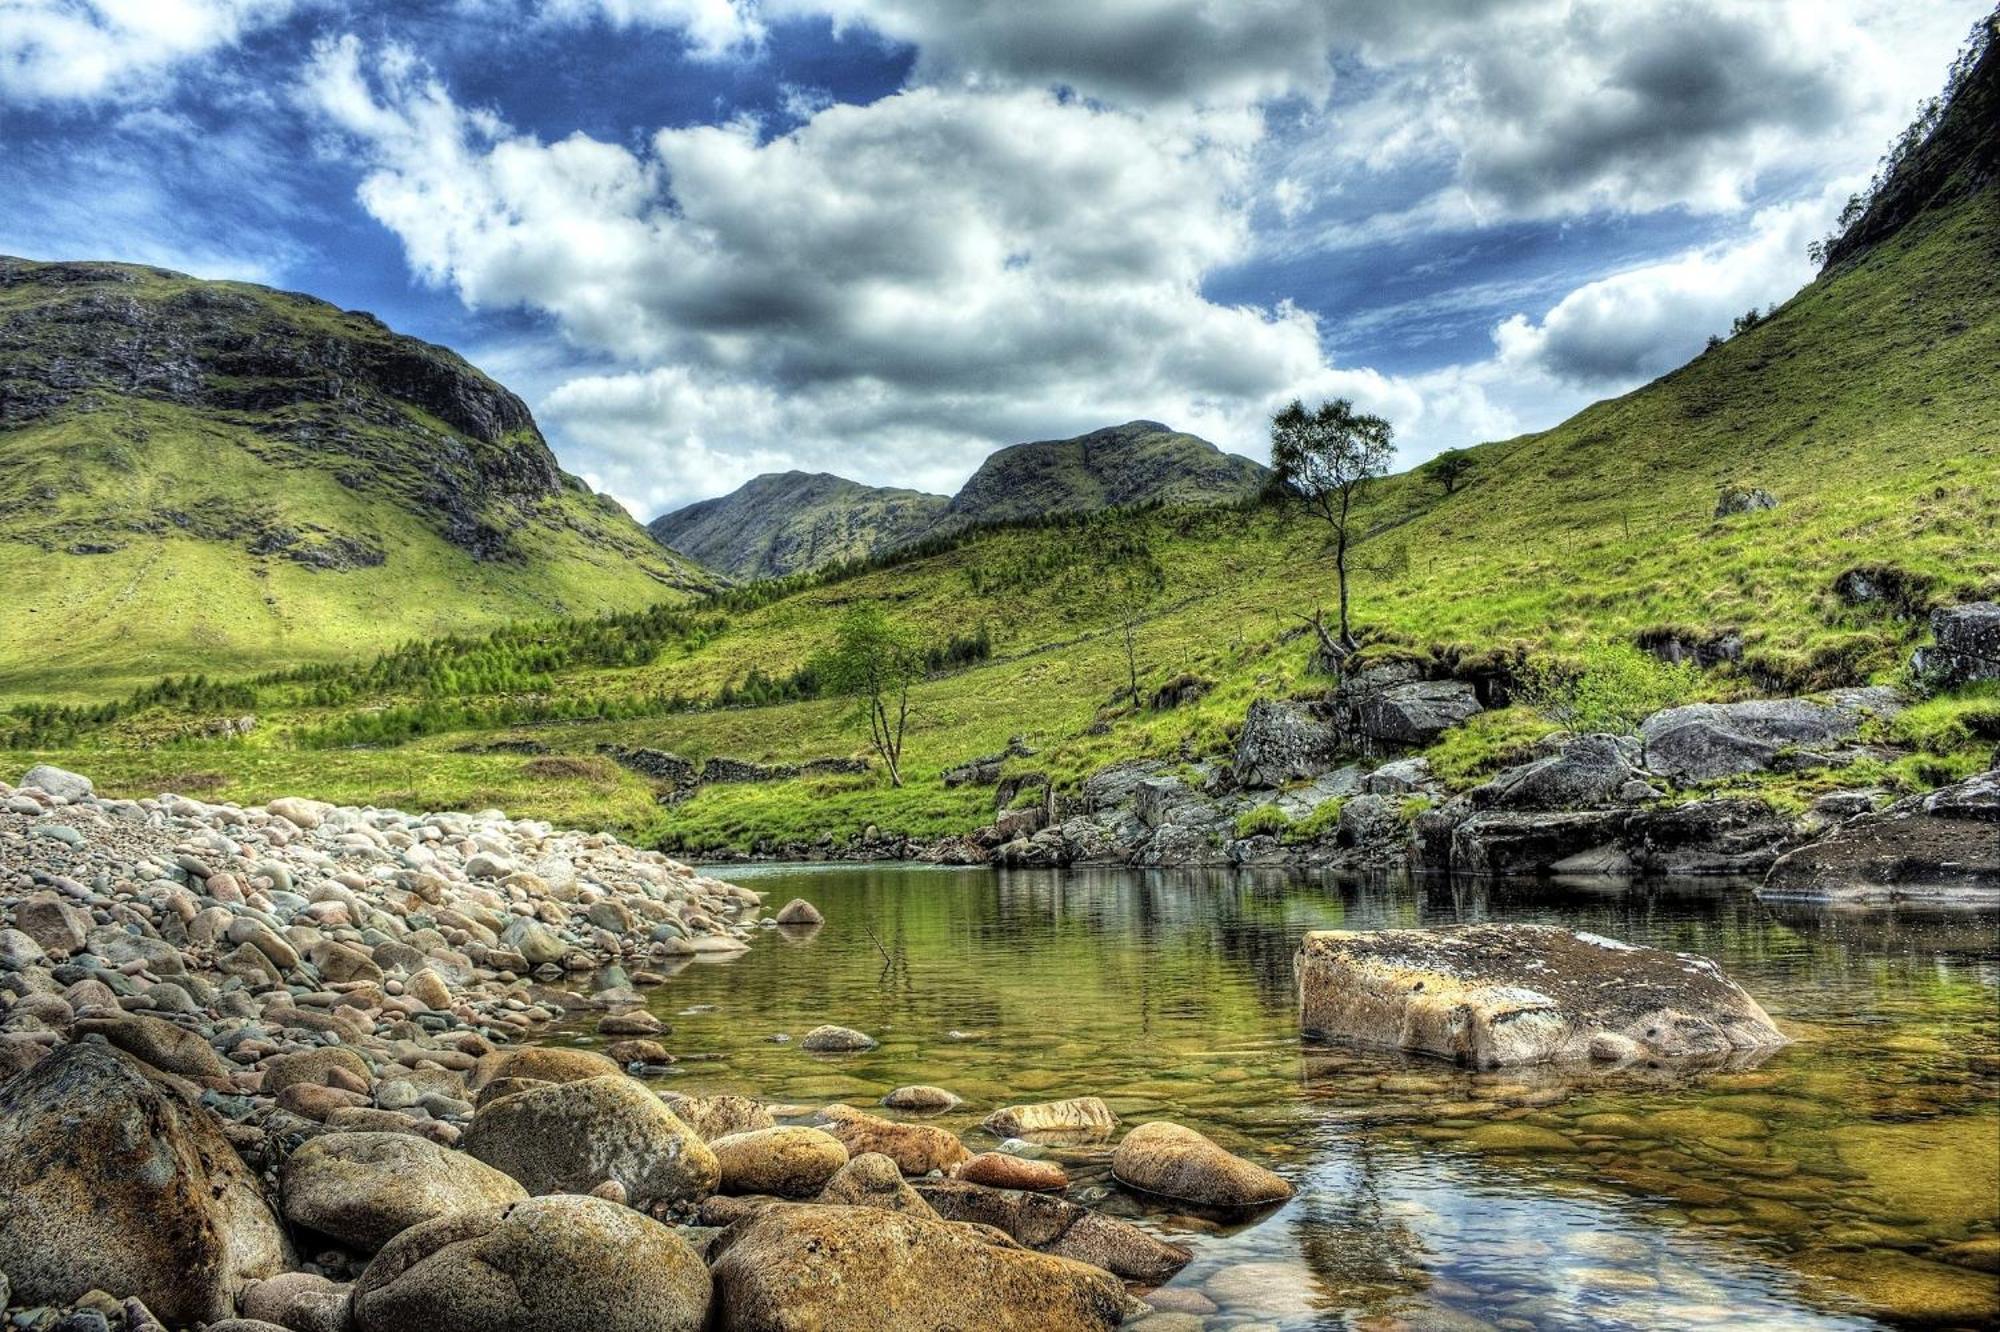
[216, 473]
[794, 522]
[787, 522]
[1866, 406]
[1140, 462]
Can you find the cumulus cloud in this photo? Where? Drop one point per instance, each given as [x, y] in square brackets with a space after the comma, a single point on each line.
[70, 50]
[939, 270]
[1642, 322]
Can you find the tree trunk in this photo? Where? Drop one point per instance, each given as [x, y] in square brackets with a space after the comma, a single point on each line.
[1132, 662]
[1347, 642]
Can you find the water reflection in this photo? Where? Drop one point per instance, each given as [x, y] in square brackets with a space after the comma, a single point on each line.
[1849, 1180]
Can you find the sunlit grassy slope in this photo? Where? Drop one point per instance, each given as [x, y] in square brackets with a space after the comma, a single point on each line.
[168, 446]
[1867, 406]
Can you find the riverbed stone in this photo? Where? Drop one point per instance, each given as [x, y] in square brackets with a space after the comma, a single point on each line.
[871, 1179]
[1002, 1170]
[314, 1067]
[785, 1162]
[1079, 1116]
[794, 1268]
[543, 1063]
[798, 911]
[115, 1179]
[917, 1149]
[301, 1302]
[719, 1116]
[1494, 995]
[830, 1039]
[363, 1189]
[562, 1264]
[921, 1099]
[1058, 1226]
[156, 1041]
[1173, 1161]
[572, 1136]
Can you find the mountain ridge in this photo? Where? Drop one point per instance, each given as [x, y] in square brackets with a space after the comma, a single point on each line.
[792, 522]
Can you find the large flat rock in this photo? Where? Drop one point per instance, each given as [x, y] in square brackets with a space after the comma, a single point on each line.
[1941, 847]
[1494, 995]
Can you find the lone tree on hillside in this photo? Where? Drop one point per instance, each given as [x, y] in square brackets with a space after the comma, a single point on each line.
[1449, 468]
[875, 663]
[1321, 461]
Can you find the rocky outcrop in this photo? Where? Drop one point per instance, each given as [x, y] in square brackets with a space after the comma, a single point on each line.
[1490, 996]
[115, 1179]
[1965, 647]
[1411, 716]
[562, 1264]
[1703, 742]
[1943, 846]
[795, 1268]
[1283, 741]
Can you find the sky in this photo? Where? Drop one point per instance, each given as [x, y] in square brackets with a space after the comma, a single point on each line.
[707, 239]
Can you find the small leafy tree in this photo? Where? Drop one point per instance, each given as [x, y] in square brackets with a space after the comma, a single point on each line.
[1450, 468]
[1321, 461]
[1606, 687]
[875, 663]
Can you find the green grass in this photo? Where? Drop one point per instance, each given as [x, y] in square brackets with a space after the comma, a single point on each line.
[1865, 405]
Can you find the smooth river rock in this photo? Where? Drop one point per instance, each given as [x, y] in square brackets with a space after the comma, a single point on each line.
[1080, 1116]
[782, 1162]
[801, 1268]
[1493, 995]
[364, 1189]
[1172, 1161]
[917, 1149]
[572, 1136]
[111, 1179]
[1060, 1227]
[567, 1264]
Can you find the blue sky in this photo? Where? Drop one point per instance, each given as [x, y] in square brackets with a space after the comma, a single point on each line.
[711, 238]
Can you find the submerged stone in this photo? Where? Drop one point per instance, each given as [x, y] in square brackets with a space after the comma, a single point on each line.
[1496, 995]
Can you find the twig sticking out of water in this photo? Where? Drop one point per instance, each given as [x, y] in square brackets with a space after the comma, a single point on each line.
[878, 944]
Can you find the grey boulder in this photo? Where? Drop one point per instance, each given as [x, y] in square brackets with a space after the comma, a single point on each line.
[570, 1137]
[364, 1189]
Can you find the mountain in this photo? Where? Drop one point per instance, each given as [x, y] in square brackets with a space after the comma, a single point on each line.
[223, 476]
[788, 522]
[1140, 462]
[785, 522]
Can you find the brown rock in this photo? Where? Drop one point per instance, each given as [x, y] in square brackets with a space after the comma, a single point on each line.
[1176, 1162]
[873, 1180]
[1054, 1225]
[1080, 1116]
[794, 1268]
[783, 1162]
[719, 1116]
[364, 1189]
[544, 1063]
[313, 1066]
[1000, 1170]
[157, 1042]
[922, 1099]
[571, 1137]
[917, 1149]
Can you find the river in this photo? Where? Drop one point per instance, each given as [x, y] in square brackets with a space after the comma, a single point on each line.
[1851, 1179]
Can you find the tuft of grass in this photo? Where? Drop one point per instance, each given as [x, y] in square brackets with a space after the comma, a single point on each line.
[1467, 755]
[1263, 819]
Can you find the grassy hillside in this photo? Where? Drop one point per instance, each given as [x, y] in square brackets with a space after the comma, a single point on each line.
[1865, 406]
[220, 474]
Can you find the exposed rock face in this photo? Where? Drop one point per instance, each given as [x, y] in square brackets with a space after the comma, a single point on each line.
[1495, 995]
[1411, 716]
[1177, 1162]
[1590, 770]
[793, 1268]
[364, 1189]
[115, 1181]
[1060, 1227]
[1944, 846]
[1283, 742]
[546, 1265]
[571, 1137]
[1503, 843]
[1967, 647]
[1706, 741]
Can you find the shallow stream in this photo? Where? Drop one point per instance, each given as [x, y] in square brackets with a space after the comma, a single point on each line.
[1850, 1180]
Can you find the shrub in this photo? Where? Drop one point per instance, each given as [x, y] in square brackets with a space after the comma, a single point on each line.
[1606, 687]
[1263, 819]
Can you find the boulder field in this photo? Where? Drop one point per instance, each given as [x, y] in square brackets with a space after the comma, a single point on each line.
[265, 1068]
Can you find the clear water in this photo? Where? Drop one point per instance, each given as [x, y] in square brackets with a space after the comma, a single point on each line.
[1850, 1180]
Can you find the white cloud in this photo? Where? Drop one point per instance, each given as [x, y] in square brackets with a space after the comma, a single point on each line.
[69, 50]
[714, 28]
[1633, 325]
[919, 278]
